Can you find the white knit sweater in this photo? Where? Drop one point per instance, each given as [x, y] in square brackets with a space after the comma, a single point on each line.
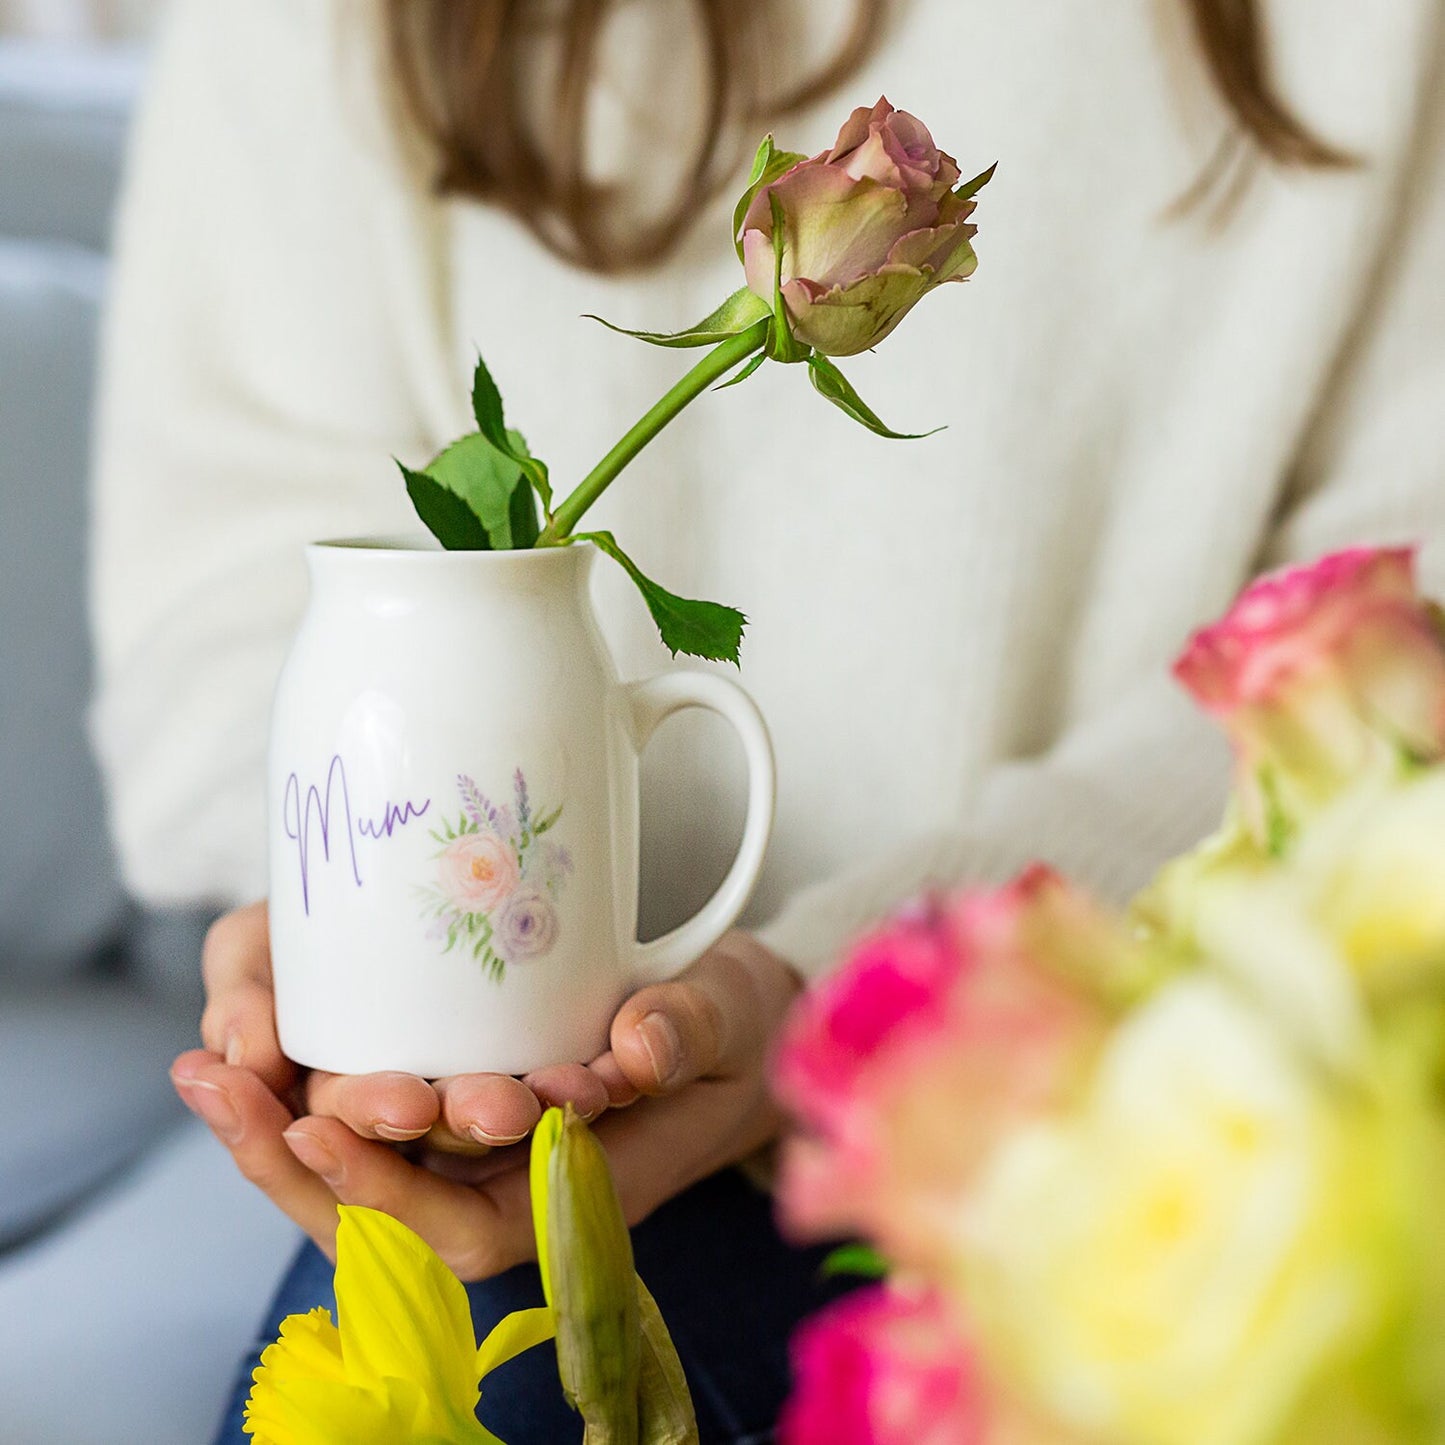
[961, 643]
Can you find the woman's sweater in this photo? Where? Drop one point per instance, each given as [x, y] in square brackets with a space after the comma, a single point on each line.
[962, 643]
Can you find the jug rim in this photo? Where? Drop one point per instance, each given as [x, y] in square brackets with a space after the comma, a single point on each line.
[425, 550]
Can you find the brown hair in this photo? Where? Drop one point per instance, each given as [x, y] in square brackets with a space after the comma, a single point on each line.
[460, 67]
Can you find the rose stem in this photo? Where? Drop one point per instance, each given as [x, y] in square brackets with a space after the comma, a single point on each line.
[715, 365]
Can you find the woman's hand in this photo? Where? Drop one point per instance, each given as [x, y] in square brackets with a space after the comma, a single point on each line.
[690, 1054]
[468, 1114]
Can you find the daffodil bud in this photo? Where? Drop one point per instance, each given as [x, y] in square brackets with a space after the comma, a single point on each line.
[591, 1284]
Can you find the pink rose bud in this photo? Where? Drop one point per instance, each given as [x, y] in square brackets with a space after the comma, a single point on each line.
[937, 1035]
[871, 226]
[1321, 675]
[884, 1367]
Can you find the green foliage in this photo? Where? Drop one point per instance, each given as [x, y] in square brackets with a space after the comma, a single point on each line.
[860, 1260]
[487, 409]
[493, 487]
[449, 519]
[830, 382]
[700, 629]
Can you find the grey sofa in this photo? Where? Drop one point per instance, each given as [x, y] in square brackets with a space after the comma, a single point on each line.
[134, 1263]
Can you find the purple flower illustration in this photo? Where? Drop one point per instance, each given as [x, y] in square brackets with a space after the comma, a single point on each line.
[526, 927]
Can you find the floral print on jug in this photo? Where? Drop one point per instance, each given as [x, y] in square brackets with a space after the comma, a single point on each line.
[498, 879]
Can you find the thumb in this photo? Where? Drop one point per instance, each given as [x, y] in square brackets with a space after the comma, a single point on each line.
[713, 1021]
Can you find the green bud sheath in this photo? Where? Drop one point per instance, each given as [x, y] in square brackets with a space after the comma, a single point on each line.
[666, 1413]
[593, 1286]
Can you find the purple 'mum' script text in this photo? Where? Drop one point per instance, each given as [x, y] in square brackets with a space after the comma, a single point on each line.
[297, 816]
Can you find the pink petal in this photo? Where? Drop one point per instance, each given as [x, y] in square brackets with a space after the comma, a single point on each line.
[884, 1367]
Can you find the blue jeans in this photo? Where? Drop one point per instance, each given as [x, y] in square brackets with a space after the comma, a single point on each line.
[730, 1290]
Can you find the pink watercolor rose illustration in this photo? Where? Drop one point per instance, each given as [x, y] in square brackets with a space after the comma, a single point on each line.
[871, 227]
[478, 872]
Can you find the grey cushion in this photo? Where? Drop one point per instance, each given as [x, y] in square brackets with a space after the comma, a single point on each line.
[128, 1325]
[60, 899]
[63, 117]
[83, 1076]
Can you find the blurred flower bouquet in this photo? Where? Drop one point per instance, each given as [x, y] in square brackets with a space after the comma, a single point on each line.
[836, 250]
[1168, 1178]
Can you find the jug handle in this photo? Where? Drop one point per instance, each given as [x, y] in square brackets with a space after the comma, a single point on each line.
[654, 700]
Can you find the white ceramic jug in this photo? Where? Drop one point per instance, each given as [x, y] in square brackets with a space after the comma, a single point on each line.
[454, 814]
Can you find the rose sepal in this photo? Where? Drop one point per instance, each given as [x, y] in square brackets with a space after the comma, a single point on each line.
[969, 189]
[733, 317]
[769, 165]
[829, 382]
[782, 346]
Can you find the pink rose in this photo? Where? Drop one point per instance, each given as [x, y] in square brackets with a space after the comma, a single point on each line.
[871, 226]
[940, 1031]
[884, 1367]
[478, 871]
[1321, 673]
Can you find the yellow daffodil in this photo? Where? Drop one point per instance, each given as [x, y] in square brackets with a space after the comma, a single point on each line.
[402, 1365]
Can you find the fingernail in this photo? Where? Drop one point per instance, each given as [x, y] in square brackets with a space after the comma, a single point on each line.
[496, 1141]
[214, 1105]
[315, 1155]
[235, 1049]
[664, 1047]
[396, 1133]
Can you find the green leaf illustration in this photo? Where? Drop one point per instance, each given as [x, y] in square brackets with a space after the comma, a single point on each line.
[830, 382]
[449, 519]
[736, 314]
[700, 629]
[491, 422]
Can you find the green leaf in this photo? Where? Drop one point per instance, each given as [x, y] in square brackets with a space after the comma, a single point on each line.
[700, 629]
[855, 1259]
[736, 314]
[492, 485]
[830, 382]
[487, 409]
[522, 512]
[973, 187]
[768, 165]
[781, 345]
[746, 371]
[449, 519]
